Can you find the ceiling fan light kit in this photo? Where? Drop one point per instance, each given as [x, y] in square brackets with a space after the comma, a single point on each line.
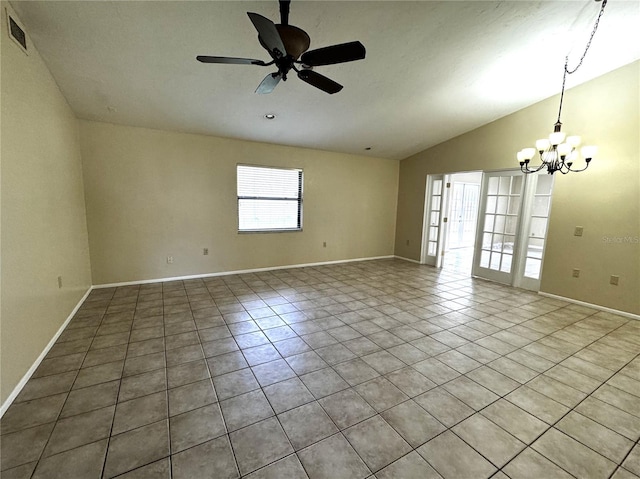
[287, 45]
[559, 152]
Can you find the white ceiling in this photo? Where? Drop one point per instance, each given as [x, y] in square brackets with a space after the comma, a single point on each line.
[433, 70]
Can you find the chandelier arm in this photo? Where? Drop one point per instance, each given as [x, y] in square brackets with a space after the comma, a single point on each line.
[526, 169]
[577, 171]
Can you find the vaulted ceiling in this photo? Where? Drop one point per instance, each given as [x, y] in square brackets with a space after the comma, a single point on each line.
[433, 70]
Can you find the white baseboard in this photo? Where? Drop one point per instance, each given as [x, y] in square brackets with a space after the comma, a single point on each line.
[590, 305]
[34, 366]
[241, 271]
[407, 259]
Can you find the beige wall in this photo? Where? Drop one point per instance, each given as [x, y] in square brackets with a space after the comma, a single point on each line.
[152, 193]
[605, 199]
[44, 232]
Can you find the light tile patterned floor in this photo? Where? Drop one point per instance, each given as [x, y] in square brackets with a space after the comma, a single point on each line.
[379, 369]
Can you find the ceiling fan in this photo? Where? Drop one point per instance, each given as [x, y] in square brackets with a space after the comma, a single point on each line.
[285, 44]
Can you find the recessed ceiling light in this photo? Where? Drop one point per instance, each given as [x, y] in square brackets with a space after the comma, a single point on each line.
[270, 116]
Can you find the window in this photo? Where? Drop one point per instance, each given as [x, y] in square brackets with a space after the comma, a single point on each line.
[269, 199]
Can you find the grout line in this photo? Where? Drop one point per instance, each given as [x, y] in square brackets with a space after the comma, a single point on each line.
[115, 406]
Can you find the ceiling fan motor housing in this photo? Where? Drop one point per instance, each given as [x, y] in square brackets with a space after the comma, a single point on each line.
[296, 41]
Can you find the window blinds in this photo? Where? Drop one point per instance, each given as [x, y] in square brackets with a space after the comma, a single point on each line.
[269, 198]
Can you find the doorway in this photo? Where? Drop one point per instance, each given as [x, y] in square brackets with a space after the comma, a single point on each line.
[450, 218]
[462, 221]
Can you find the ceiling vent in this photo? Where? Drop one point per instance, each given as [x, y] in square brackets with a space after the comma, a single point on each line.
[16, 32]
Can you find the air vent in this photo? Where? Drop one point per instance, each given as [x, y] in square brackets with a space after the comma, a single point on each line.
[16, 32]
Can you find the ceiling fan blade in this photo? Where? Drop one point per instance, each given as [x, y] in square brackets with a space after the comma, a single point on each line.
[268, 34]
[269, 83]
[345, 52]
[319, 81]
[229, 60]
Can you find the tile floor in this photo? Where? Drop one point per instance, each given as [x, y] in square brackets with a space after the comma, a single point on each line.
[380, 369]
[459, 260]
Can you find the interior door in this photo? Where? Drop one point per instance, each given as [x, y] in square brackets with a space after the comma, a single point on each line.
[434, 220]
[497, 240]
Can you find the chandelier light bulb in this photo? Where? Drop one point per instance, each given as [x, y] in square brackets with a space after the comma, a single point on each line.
[564, 149]
[573, 155]
[574, 141]
[589, 152]
[528, 153]
[542, 144]
[556, 138]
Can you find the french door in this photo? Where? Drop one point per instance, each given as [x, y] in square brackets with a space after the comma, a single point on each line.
[496, 240]
[434, 222]
[513, 220]
[535, 228]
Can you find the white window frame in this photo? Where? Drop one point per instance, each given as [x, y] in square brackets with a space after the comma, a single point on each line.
[270, 198]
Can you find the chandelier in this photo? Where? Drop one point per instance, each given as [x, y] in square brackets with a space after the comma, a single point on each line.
[559, 152]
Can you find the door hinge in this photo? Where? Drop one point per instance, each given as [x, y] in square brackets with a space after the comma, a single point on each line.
[444, 220]
[448, 185]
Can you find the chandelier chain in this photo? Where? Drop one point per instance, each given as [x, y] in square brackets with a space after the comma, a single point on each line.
[593, 32]
[584, 54]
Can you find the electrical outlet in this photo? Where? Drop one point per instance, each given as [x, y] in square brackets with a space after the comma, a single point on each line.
[59, 282]
[578, 231]
[614, 280]
[169, 259]
[324, 244]
[576, 273]
[205, 251]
